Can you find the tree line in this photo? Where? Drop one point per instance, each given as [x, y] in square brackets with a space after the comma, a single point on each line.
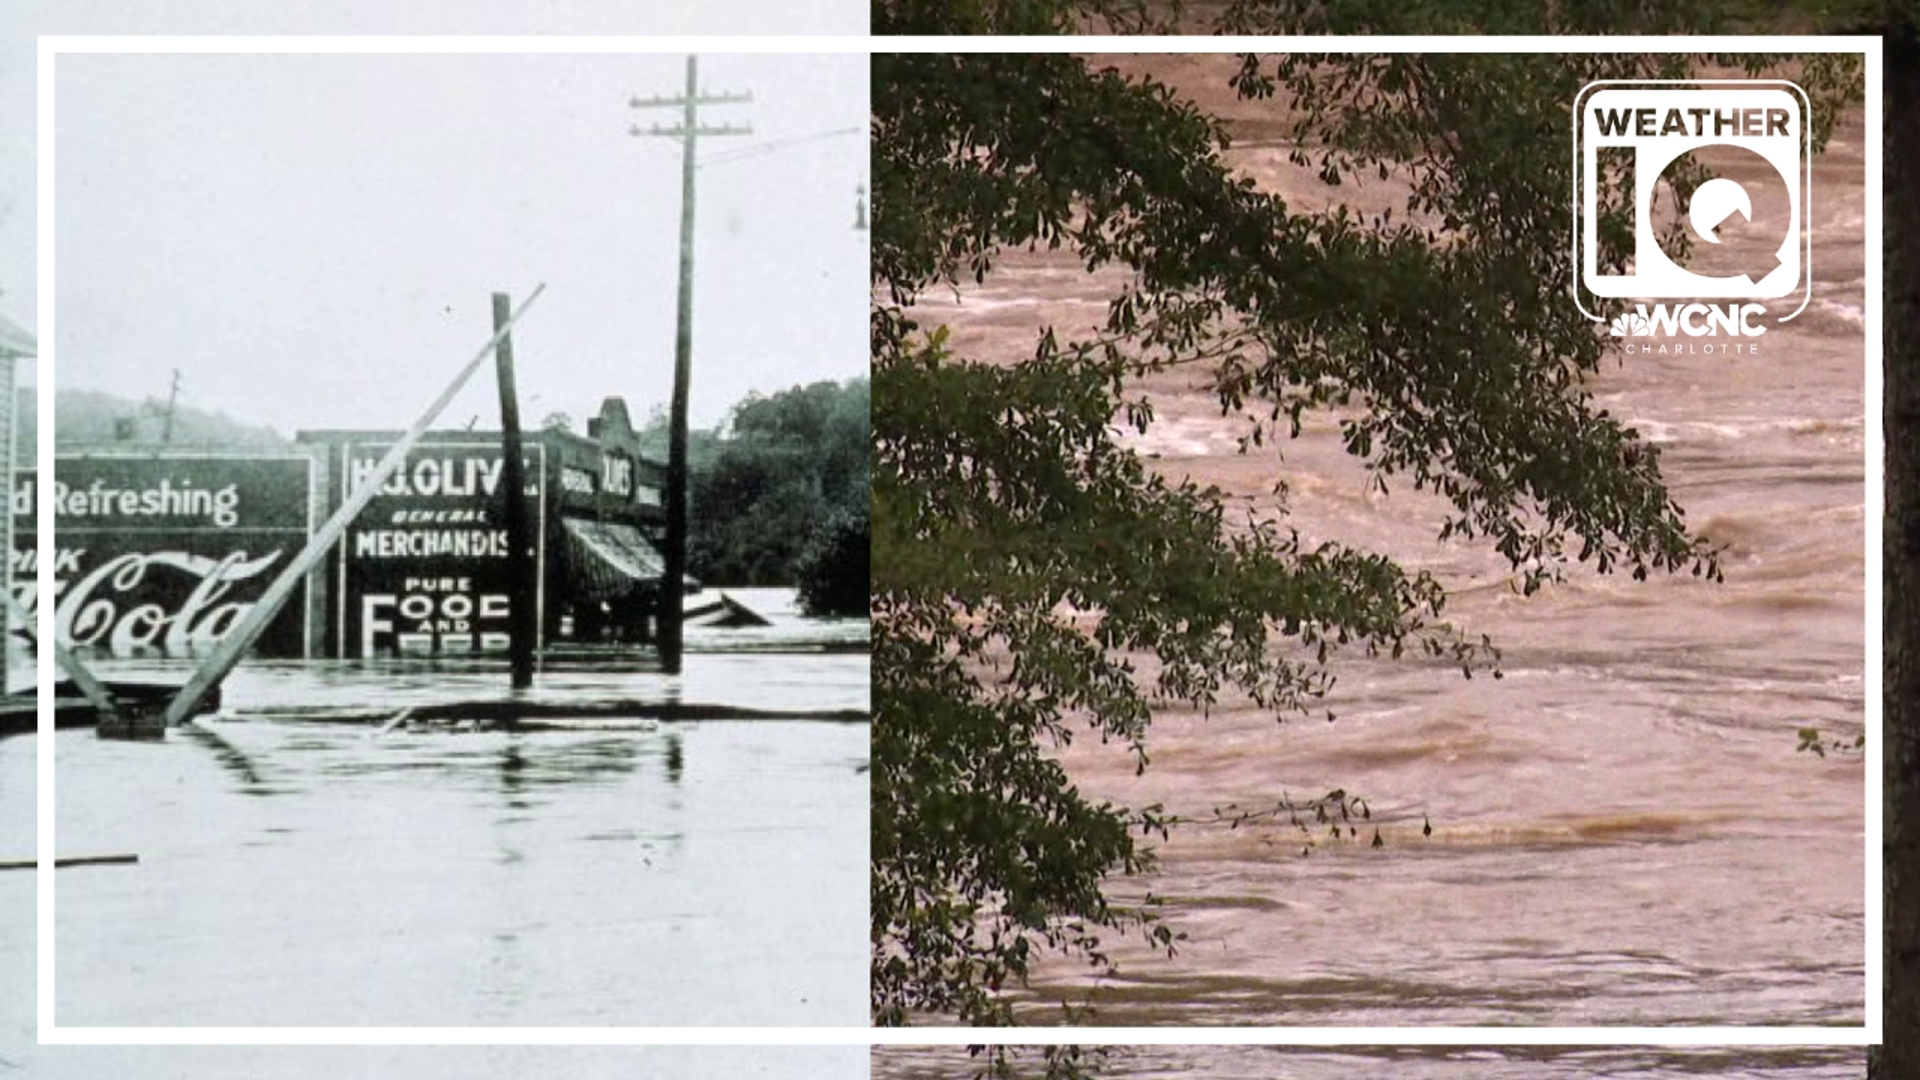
[777, 491]
[778, 495]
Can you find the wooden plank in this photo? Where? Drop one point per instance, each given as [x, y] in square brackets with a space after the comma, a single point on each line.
[235, 645]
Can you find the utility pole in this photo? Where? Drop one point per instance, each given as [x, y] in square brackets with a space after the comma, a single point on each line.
[173, 394]
[689, 131]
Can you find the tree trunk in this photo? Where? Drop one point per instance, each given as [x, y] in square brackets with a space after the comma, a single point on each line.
[1899, 1054]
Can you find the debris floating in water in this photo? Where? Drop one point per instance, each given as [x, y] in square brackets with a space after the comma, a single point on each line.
[511, 715]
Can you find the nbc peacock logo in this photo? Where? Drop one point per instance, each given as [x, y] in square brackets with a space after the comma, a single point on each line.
[1632, 324]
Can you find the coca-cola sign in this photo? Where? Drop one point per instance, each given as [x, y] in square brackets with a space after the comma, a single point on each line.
[165, 555]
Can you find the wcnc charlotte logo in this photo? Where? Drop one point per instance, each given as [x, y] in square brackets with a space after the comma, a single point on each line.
[1698, 275]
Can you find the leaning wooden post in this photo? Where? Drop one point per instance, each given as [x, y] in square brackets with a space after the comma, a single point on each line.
[235, 645]
[520, 568]
[91, 688]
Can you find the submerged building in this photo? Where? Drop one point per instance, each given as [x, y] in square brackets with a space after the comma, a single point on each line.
[161, 551]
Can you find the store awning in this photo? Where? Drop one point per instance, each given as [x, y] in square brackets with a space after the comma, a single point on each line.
[609, 559]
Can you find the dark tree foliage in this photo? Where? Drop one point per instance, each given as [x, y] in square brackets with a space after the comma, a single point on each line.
[1405, 17]
[830, 420]
[1025, 560]
[834, 572]
[972, 17]
[766, 494]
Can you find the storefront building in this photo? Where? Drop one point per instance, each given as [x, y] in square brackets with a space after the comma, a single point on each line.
[161, 553]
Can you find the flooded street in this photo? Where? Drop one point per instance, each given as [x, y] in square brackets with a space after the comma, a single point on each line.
[1622, 830]
[307, 872]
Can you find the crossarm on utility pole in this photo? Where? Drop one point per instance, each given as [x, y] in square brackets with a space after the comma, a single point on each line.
[235, 645]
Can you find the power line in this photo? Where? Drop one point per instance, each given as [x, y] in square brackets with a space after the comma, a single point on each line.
[740, 153]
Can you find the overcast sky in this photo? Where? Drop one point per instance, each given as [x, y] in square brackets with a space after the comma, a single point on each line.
[21, 20]
[17, 291]
[312, 239]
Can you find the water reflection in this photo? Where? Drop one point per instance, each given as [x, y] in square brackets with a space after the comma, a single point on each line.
[302, 872]
[232, 758]
[512, 781]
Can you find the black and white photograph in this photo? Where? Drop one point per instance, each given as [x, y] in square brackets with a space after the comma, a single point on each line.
[437, 1062]
[459, 495]
[570, 17]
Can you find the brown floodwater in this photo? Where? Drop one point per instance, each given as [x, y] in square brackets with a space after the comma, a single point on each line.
[1410, 1063]
[1623, 831]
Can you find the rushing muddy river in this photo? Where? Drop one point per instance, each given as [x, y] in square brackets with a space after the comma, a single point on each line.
[1412, 1063]
[316, 872]
[1622, 830]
